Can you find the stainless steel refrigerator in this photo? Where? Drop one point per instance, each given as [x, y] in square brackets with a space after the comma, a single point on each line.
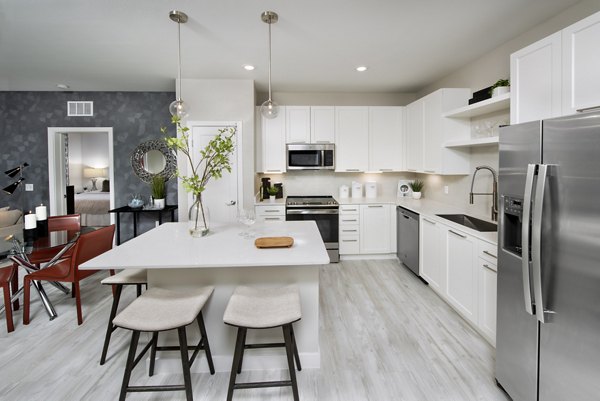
[548, 327]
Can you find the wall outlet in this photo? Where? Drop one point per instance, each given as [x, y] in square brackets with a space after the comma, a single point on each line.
[28, 187]
[446, 189]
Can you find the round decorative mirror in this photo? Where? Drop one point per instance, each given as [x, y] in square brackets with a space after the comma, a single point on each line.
[153, 158]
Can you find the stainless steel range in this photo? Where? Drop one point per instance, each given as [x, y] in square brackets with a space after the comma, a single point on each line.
[324, 210]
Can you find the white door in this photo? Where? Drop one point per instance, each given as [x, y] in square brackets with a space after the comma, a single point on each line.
[352, 138]
[386, 138]
[221, 195]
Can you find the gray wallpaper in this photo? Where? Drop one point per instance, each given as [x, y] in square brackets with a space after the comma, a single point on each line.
[25, 117]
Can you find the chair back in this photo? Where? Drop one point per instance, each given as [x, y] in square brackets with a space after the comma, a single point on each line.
[90, 245]
[69, 222]
[6, 271]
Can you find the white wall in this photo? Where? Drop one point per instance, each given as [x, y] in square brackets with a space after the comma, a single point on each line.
[222, 100]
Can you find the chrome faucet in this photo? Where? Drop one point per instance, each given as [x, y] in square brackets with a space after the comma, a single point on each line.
[494, 192]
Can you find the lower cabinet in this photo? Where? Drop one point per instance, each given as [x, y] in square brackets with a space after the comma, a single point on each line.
[431, 264]
[266, 213]
[368, 229]
[487, 299]
[461, 287]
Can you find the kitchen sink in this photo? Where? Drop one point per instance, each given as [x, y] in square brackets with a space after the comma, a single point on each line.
[470, 222]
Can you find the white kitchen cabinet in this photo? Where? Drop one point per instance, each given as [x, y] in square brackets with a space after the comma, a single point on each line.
[322, 124]
[386, 139]
[431, 257]
[270, 144]
[487, 298]
[461, 264]
[349, 229]
[414, 136]
[351, 138]
[581, 65]
[297, 122]
[270, 213]
[375, 228]
[535, 73]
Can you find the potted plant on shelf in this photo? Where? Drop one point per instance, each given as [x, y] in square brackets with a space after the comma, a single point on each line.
[214, 159]
[272, 193]
[501, 87]
[159, 191]
[416, 186]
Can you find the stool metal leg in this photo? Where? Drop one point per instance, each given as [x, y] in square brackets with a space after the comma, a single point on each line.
[239, 369]
[110, 328]
[289, 350]
[239, 347]
[185, 363]
[205, 343]
[153, 352]
[296, 355]
[135, 336]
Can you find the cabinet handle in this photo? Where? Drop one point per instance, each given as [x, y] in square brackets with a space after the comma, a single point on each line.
[375, 205]
[349, 231]
[349, 210]
[429, 171]
[455, 233]
[272, 171]
[588, 109]
[323, 142]
[349, 220]
[429, 221]
[491, 254]
[411, 169]
[385, 169]
[272, 218]
[352, 169]
[488, 267]
[272, 211]
[349, 240]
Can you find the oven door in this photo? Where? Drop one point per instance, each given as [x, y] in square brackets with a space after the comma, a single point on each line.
[327, 221]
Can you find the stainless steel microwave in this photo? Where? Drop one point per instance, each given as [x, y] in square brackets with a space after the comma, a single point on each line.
[310, 156]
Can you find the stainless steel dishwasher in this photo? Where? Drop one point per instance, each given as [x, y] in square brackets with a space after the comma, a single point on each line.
[408, 238]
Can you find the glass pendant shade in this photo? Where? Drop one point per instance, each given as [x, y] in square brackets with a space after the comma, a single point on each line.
[178, 108]
[269, 109]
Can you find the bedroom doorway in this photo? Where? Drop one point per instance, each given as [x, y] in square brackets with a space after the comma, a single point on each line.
[83, 158]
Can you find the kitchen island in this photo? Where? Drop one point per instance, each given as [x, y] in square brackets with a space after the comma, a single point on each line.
[226, 259]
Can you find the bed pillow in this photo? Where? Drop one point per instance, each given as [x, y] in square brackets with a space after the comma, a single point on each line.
[9, 217]
[106, 186]
[4, 209]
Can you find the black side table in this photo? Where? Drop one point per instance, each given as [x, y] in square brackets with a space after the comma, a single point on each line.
[136, 211]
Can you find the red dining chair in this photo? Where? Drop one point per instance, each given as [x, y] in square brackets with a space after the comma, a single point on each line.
[69, 222]
[88, 246]
[6, 275]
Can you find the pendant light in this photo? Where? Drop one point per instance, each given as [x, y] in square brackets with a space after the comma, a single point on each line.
[178, 107]
[269, 109]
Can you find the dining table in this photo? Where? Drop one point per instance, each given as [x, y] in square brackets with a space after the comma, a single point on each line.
[52, 247]
[226, 258]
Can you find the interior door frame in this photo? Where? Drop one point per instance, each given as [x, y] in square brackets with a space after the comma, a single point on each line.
[54, 146]
[182, 165]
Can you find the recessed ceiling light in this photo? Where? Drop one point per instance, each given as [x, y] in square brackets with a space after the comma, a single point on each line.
[62, 86]
[362, 68]
[248, 67]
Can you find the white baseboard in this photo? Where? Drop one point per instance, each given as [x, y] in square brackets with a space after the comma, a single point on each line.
[369, 257]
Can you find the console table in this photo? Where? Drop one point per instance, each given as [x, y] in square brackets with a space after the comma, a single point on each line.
[136, 212]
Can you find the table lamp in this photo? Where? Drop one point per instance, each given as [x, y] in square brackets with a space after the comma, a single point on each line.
[93, 174]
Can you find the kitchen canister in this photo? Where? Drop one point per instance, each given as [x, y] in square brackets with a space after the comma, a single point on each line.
[356, 189]
[370, 189]
[344, 191]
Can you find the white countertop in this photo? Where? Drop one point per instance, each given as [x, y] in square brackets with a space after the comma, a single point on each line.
[171, 246]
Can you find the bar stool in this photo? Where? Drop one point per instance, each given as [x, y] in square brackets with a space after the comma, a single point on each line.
[137, 277]
[159, 310]
[253, 308]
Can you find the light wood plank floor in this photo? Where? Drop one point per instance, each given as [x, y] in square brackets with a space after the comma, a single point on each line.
[384, 336]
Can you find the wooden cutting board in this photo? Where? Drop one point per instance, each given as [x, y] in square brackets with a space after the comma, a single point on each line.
[274, 242]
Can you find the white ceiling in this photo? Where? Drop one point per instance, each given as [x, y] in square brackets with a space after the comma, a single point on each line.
[130, 45]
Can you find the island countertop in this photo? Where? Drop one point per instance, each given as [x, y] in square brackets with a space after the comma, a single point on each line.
[171, 246]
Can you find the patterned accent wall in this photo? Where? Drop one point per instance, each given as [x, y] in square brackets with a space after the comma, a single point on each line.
[25, 117]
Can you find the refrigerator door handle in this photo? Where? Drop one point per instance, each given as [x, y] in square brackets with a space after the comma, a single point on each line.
[525, 264]
[536, 242]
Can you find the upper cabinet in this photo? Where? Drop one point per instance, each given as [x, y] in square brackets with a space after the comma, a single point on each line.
[270, 144]
[535, 72]
[557, 75]
[581, 65]
[414, 136]
[310, 124]
[386, 139]
[351, 138]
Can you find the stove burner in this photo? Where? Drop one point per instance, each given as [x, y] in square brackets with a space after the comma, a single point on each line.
[314, 201]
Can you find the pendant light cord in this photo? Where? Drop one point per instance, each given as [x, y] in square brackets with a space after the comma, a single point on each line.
[179, 57]
[270, 61]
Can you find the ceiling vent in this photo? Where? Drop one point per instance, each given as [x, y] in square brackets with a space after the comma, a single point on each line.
[80, 109]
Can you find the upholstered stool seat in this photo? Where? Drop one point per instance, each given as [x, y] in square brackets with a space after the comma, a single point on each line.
[137, 277]
[158, 310]
[262, 308]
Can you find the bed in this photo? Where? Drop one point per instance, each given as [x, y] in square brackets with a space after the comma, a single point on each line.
[93, 208]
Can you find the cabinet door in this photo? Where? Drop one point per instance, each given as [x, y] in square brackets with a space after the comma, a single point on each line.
[351, 138]
[375, 222]
[461, 287]
[432, 264]
[322, 124]
[581, 65]
[432, 132]
[297, 121]
[487, 299]
[386, 137]
[273, 143]
[535, 73]
[414, 136]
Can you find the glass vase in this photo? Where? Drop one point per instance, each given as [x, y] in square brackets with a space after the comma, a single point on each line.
[198, 218]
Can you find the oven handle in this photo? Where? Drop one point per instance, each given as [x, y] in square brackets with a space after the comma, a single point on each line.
[312, 211]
